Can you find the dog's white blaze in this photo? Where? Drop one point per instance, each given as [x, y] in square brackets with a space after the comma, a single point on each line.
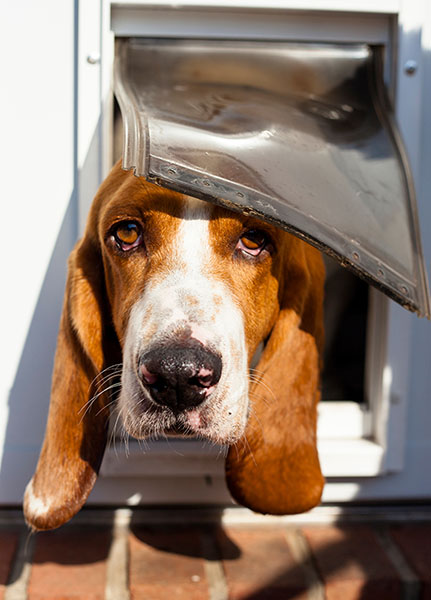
[190, 296]
[193, 251]
[193, 236]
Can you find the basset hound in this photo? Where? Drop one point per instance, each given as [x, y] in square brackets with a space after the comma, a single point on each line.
[181, 293]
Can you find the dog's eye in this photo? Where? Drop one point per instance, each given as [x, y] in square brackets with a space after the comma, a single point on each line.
[127, 235]
[253, 242]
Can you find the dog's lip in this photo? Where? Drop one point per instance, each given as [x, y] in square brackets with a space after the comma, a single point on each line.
[178, 430]
[188, 423]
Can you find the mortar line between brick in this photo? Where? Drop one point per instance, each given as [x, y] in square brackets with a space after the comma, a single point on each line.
[16, 589]
[301, 553]
[214, 572]
[117, 564]
[410, 582]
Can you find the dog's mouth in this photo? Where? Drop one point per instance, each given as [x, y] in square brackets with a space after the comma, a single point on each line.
[211, 421]
[147, 419]
[187, 423]
[180, 429]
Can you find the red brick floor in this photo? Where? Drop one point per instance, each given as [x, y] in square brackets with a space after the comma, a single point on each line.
[274, 560]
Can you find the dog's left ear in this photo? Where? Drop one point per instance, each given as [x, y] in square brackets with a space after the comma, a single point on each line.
[275, 467]
[76, 432]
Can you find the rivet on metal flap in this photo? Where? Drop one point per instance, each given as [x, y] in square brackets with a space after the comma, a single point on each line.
[297, 134]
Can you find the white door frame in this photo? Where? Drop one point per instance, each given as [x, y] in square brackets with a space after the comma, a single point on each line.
[354, 443]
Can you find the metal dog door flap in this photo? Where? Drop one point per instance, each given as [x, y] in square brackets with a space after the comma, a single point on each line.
[299, 135]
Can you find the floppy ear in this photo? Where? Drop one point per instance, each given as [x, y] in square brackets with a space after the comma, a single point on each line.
[275, 467]
[75, 435]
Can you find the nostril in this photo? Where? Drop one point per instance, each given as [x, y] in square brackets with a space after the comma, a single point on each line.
[155, 382]
[148, 377]
[204, 378]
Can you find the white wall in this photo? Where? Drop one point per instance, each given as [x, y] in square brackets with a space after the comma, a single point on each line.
[38, 217]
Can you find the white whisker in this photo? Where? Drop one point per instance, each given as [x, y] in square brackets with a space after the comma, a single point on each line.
[88, 405]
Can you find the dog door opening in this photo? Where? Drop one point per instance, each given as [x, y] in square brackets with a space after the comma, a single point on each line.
[346, 313]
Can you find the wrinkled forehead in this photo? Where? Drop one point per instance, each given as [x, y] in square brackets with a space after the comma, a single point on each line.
[164, 211]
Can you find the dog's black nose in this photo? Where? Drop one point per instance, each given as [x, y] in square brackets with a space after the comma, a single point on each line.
[180, 376]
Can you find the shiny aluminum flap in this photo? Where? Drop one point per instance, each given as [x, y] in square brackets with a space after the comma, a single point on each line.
[297, 134]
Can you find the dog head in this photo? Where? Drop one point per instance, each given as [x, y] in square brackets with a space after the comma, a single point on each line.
[182, 293]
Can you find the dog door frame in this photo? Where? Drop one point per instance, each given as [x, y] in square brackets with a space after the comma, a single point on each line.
[372, 443]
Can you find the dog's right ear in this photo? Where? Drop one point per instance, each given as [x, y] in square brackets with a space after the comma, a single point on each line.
[76, 431]
[275, 469]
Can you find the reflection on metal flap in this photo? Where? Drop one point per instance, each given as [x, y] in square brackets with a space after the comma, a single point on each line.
[296, 134]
